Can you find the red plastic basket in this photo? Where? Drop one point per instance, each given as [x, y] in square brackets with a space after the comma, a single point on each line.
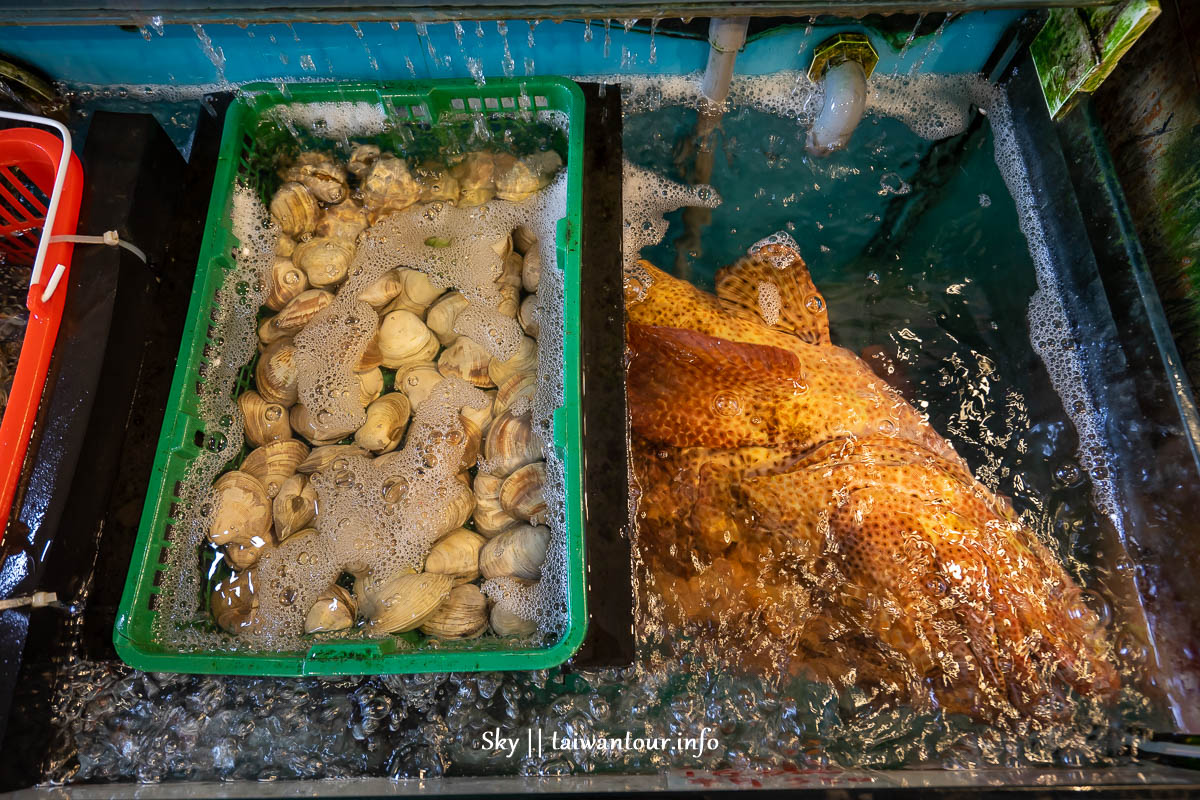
[29, 161]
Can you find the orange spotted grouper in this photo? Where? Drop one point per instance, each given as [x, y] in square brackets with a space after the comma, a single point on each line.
[798, 514]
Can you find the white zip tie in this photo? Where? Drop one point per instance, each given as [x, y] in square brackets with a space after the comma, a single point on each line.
[110, 238]
[36, 600]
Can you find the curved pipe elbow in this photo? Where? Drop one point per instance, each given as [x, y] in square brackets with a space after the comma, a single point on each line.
[845, 102]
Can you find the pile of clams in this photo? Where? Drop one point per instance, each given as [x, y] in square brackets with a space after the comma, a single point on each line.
[496, 527]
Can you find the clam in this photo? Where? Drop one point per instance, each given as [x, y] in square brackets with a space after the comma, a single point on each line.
[295, 209]
[442, 315]
[476, 179]
[523, 493]
[506, 623]
[234, 603]
[523, 239]
[295, 507]
[304, 423]
[275, 374]
[275, 462]
[464, 615]
[456, 554]
[473, 439]
[295, 315]
[324, 260]
[389, 186]
[244, 556]
[264, 422]
[370, 386]
[343, 222]
[453, 513]
[284, 246]
[387, 419]
[510, 444]
[241, 510]
[466, 359]
[518, 553]
[382, 290]
[334, 610]
[416, 294]
[502, 247]
[510, 301]
[531, 270]
[404, 339]
[513, 390]
[286, 281]
[404, 601]
[518, 179]
[481, 418]
[510, 270]
[417, 381]
[371, 357]
[523, 362]
[437, 184]
[527, 316]
[321, 458]
[489, 516]
[321, 175]
[362, 157]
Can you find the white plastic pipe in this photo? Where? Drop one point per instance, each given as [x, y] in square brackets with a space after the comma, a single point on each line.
[845, 101]
[726, 36]
[59, 178]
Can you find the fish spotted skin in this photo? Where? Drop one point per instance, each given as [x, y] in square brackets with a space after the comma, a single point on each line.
[790, 500]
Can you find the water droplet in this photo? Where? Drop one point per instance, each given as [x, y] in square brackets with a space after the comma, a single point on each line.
[814, 303]
[395, 489]
[287, 596]
[1099, 604]
[727, 404]
[340, 464]
[343, 478]
[273, 413]
[1068, 474]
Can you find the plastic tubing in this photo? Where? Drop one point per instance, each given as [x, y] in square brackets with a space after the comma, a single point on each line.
[726, 36]
[845, 101]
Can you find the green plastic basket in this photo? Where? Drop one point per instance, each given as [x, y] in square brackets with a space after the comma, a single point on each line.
[183, 436]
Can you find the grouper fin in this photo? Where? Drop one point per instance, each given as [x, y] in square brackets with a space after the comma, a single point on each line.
[688, 389]
[744, 285]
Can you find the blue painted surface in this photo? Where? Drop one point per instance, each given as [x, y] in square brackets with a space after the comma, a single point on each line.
[111, 56]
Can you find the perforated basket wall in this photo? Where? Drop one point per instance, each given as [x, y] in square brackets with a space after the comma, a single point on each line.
[183, 435]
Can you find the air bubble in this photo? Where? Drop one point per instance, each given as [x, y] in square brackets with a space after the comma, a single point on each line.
[727, 404]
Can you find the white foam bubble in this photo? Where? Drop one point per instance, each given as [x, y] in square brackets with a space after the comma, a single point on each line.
[646, 199]
[933, 105]
[232, 344]
[336, 120]
[769, 304]
[1049, 323]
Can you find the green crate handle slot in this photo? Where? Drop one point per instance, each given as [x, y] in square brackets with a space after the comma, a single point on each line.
[420, 101]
